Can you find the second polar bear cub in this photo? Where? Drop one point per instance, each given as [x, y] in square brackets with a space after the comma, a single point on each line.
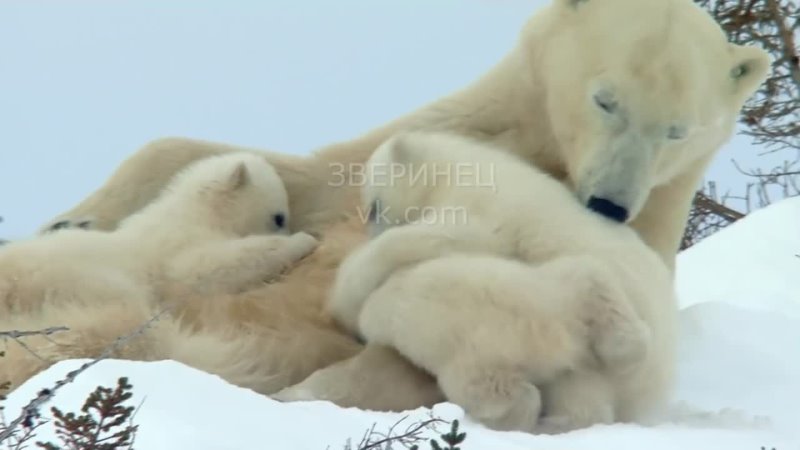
[219, 226]
[497, 281]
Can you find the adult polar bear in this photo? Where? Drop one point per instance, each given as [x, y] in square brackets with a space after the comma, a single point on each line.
[625, 100]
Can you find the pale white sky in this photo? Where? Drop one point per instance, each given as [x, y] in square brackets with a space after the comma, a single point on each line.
[84, 83]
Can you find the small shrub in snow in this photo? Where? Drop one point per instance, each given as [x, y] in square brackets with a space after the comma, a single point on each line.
[450, 440]
[105, 422]
[411, 438]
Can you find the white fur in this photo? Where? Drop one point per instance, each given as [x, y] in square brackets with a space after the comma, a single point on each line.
[665, 62]
[490, 328]
[212, 230]
[660, 65]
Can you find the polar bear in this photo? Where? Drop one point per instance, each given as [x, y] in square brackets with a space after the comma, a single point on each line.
[574, 304]
[492, 330]
[586, 82]
[220, 226]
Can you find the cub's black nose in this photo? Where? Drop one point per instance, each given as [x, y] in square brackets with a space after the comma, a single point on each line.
[607, 208]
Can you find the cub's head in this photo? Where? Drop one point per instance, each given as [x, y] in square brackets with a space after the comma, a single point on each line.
[238, 192]
[429, 177]
[636, 92]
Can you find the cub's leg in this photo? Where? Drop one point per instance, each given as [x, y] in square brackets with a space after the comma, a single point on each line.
[487, 328]
[232, 266]
[371, 264]
[499, 396]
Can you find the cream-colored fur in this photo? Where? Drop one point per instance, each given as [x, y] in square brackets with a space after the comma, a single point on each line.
[575, 306]
[213, 229]
[493, 329]
[664, 62]
[219, 228]
[242, 337]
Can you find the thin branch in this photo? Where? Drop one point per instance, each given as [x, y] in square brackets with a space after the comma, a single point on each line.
[18, 337]
[15, 334]
[411, 435]
[31, 410]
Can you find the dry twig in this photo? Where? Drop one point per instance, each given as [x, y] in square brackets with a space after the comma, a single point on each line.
[30, 411]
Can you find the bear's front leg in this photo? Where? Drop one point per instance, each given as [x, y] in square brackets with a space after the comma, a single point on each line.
[236, 265]
[369, 266]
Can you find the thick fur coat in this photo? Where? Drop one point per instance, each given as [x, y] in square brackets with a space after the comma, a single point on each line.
[218, 228]
[625, 101]
[523, 288]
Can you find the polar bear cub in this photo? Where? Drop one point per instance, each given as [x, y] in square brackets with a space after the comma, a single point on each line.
[492, 329]
[490, 275]
[219, 226]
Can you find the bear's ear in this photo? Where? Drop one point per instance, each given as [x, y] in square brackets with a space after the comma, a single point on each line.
[751, 67]
[239, 177]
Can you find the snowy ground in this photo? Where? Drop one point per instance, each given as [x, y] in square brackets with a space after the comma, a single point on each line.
[740, 351]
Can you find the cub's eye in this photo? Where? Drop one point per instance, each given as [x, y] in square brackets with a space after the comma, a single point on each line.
[373, 211]
[279, 220]
[605, 101]
[676, 132]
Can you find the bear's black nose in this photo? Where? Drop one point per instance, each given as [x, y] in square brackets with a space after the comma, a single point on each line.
[607, 208]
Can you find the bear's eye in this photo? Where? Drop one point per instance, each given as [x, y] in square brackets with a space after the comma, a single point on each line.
[605, 101]
[676, 132]
[739, 71]
[279, 220]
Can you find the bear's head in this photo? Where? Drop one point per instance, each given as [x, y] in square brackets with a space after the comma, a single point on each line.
[636, 92]
[240, 193]
[392, 195]
[422, 176]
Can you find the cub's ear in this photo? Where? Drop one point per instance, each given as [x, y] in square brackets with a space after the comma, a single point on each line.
[239, 177]
[402, 148]
[750, 69]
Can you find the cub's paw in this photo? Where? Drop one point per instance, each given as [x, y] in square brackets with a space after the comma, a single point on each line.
[67, 224]
[302, 245]
[304, 240]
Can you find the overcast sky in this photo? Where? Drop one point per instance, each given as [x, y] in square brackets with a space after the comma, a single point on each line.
[83, 84]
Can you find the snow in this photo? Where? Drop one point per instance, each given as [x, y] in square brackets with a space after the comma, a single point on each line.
[754, 263]
[739, 383]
